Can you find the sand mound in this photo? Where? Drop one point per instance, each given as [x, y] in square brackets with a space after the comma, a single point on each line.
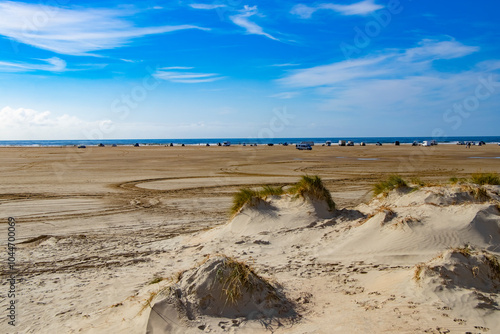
[462, 268]
[441, 195]
[223, 288]
[420, 223]
[277, 213]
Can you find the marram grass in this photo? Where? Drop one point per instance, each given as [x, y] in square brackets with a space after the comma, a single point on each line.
[393, 182]
[243, 196]
[307, 186]
[485, 178]
[313, 187]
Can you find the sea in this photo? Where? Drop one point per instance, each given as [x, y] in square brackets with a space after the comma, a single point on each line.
[240, 141]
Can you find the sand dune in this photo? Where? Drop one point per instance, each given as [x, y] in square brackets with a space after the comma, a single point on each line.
[373, 256]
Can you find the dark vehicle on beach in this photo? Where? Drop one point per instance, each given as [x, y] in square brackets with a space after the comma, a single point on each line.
[378, 143]
[396, 143]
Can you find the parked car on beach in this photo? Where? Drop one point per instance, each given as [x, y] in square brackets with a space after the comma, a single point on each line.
[303, 147]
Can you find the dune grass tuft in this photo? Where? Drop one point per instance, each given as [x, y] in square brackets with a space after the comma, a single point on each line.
[485, 178]
[418, 182]
[235, 276]
[313, 187]
[393, 182]
[271, 191]
[243, 196]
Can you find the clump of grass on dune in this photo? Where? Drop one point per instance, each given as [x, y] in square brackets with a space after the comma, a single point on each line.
[393, 182]
[271, 191]
[313, 187]
[418, 182]
[234, 276]
[243, 196]
[485, 178]
[310, 186]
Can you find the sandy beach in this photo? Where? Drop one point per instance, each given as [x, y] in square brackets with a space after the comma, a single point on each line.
[102, 230]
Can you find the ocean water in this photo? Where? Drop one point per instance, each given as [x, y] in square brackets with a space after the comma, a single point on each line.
[237, 141]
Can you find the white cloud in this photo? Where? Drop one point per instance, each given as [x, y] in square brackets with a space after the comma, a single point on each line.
[243, 21]
[393, 63]
[74, 31]
[185, 77]
[364, 7]
[29, 124]
[396, 82]
[53, 64]
[206, 6]
[175, 68]
[303, 11]
[431, 49]
[335, 73]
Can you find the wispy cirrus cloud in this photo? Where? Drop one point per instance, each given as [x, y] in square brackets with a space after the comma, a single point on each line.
[429, 49]
[364, 7]
[394, 81]
[387, 64]
[285, 65]
[243, 20]
[73, 31]
[53, 64]
[176, 68]
[175, 74]
[331, 74]
[206, 6]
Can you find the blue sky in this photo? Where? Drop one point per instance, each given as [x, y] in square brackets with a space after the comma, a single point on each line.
[231, 68]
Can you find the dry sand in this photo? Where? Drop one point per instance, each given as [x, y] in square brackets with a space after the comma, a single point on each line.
[96, 225]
